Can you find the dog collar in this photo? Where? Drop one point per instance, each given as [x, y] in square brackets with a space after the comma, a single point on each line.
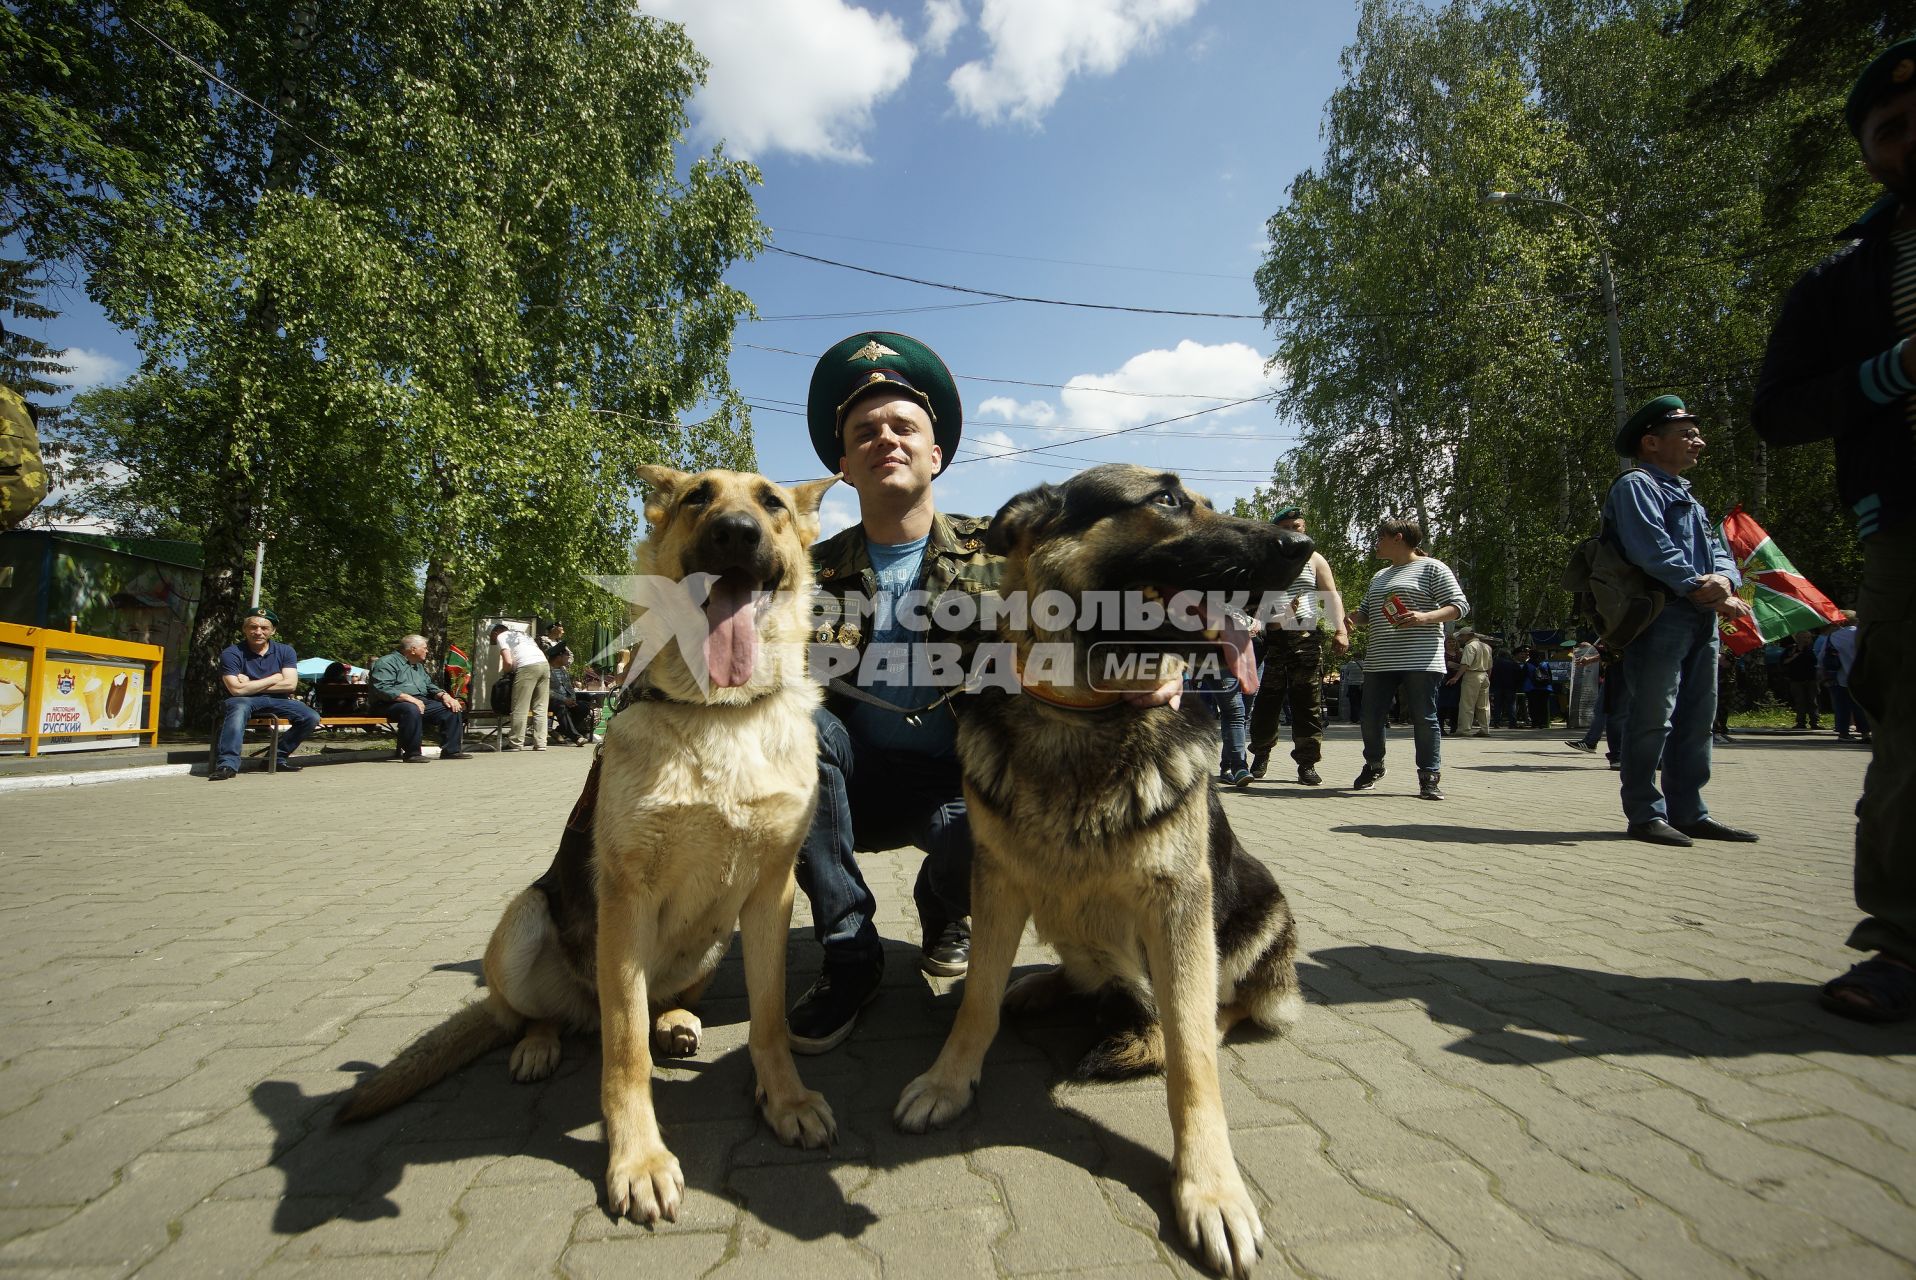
[1052, 697]
[638, 691]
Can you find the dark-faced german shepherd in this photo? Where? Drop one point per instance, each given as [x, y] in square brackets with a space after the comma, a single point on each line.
[1095, 814]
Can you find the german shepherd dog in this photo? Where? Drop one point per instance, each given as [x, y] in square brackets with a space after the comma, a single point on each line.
[1095, 814]
[704, 791]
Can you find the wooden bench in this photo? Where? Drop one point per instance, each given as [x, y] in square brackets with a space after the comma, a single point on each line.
[277, 723]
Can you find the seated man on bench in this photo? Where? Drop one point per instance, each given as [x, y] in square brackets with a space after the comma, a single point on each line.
[259, 675]
[416, 702]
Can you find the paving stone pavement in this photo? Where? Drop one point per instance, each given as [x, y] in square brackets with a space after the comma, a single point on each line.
[1533, 1048]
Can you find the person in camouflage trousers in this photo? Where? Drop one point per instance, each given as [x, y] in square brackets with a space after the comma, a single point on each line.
[1293, 669]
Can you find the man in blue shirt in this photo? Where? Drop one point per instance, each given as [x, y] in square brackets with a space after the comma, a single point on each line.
[1669, 671]
[260, 675]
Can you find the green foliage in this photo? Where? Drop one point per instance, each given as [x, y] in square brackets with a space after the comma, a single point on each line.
[418, 322]
[1447, 360]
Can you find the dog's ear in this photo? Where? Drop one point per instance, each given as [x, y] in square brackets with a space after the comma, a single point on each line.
[806, 499]
[810, 494]
[660, 482]
[1020, 521]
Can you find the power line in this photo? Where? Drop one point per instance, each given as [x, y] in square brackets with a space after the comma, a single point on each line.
[1014, 297]
[852, 315]
[768, 404]
[1017, 382]
[1121, 431]
[189, 61]
[1015, 257]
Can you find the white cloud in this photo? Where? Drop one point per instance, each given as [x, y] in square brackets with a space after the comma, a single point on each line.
[1190, 377]
[836, 515]
[89, 368]
[991, 445]
[1037, 48]
[1034, 413]
[801, 76]
[943, 20]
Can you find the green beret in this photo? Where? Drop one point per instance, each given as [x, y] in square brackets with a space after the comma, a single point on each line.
[259, 611]
[1893, 71]
[1647, 419]
[867, 362]
[1291, 512]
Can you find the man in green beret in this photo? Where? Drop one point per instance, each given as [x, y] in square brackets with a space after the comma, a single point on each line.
[1670, 670]
[884, 412]
[1292, 648]
[1842, 365]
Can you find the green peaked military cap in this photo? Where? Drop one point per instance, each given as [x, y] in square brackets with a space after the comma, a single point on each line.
[1647, 419]
[1889, 73]
[1290, 512]
[873, 361]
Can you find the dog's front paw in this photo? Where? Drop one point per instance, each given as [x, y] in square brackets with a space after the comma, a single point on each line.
[676, 1033]
[645, 1186]
[930, 1101]
[1220, 1221]
[805, 1120]
[534, 1058]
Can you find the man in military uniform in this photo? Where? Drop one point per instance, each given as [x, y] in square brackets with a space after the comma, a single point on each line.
[884, 411]
[1293, 653]
[1669, 672]
[1842, 365]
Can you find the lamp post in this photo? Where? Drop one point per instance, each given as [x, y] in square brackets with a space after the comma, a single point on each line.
[1619, 396]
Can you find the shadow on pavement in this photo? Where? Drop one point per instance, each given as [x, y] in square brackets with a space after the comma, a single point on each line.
[705, 1106]
[1523, 1012]
[1476, 835]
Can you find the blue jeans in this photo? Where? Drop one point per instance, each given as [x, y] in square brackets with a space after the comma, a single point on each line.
[889, 800]
[1228, 706]
[236, 711]
[1419, 690]
[1669, 703]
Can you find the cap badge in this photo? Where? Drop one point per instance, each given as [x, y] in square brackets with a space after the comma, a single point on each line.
[872, 350]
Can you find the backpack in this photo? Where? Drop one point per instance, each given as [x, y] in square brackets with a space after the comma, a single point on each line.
[1618, 599]
[502, 695]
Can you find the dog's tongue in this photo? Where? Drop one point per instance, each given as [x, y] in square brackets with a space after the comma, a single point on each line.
[1234, 634]
[731, 639]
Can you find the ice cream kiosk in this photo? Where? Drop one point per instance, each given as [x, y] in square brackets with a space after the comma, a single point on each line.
[66, 691]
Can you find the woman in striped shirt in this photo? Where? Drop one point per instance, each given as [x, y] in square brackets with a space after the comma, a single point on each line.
[1405, 609]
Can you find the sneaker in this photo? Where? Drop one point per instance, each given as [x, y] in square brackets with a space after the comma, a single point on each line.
[538, 746]
[1719, 738]
[1578, 744]
[221, 772]
[1308, 775]
[1427, 788]
[1260, 762]
[455, 755]
[1236, 777]
[419, 758]
[510, 746]
[947, 953]
[1368, 778]
[286, 765]
[826, 1013]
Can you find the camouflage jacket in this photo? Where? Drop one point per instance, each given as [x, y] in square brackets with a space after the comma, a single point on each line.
[23, 478]
[955, 560]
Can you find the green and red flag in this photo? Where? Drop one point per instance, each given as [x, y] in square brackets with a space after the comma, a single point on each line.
[458, 670]
[1783, 601]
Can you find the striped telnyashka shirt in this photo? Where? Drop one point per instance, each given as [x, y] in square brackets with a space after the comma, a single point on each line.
[1423, 584]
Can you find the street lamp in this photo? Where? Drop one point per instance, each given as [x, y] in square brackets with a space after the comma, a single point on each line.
[1619, 396]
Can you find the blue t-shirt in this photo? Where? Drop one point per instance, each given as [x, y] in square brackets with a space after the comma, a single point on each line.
[238, 660]
[898, 567]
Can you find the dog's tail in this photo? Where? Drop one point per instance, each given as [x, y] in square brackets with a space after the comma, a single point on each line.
[1133, 1051]
[429, 1059]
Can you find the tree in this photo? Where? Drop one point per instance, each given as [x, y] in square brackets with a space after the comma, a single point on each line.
[1448, 361]
[415, 286]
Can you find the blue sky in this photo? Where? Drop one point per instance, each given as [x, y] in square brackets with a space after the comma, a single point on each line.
[1124, 152]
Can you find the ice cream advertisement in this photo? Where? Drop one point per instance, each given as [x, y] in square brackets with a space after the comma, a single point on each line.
[13, 695]
[87, 697]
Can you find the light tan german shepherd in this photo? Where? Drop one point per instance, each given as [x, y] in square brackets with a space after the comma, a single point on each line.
[704, 791]
[1094, 814]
